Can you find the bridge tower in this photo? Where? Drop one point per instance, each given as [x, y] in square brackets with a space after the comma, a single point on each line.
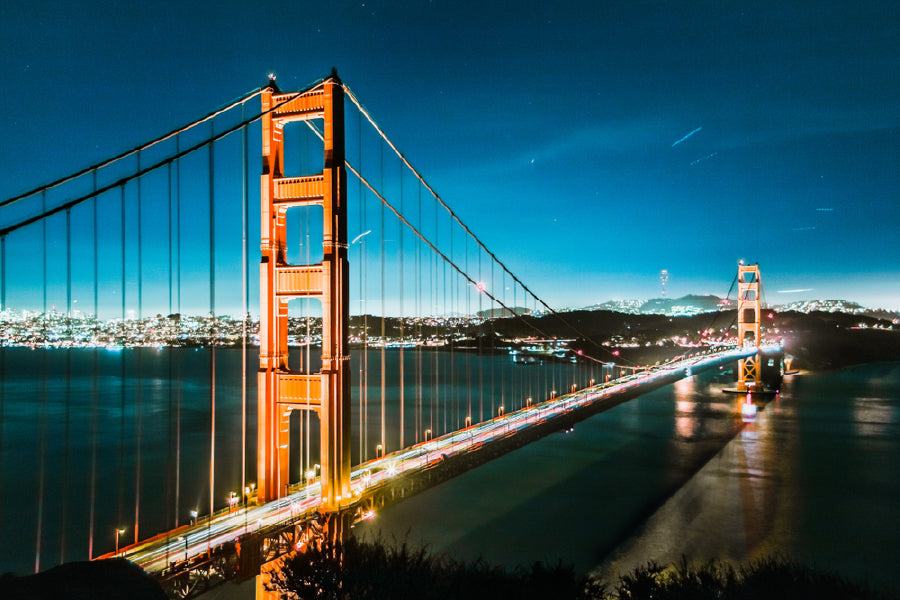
[749, 377]
[281, 390]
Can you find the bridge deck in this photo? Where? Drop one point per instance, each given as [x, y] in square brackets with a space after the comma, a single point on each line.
[178, 549]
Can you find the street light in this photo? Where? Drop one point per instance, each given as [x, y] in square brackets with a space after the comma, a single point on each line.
[184, 539]
[427, 433]
[194, 517]
[468, 422]
[118, 533]
[500, 411]
[379, 451]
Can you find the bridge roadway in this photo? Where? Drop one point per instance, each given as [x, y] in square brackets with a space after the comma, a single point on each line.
[177, 546]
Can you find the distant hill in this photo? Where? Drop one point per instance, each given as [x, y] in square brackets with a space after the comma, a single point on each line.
[686, 305]
[691, 304]
[836, 306]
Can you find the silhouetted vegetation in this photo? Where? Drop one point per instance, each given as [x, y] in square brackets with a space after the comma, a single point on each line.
[367, 570]
[113, 579]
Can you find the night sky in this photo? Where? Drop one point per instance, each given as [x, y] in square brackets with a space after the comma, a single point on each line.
[589, 144]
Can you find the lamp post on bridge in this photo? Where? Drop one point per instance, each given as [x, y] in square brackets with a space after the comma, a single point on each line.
[119, 531]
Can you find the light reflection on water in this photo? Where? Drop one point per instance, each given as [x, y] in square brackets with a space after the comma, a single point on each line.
[685, 423]
[676, 473]
[873, 415]
[813, 478]
[106, 425]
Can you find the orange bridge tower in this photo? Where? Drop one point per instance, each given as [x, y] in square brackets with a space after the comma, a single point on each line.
[749, 377]
[281, 390]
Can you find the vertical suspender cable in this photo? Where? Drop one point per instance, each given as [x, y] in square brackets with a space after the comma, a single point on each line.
[364, 375]
[481, 343]
[400, 261]
[120, 468]
[306, 416]
[245, 300]
[138, 391]
[383, 339]
[44, 242]
[94, 384]
[64, 493]
[468, 322]
[170, 450]
[494, 337]
[435, 279]
[213, 329]
[2, 361]
[363, 454]
[453, 398]
[42, 438]
[178, 310]
[2, 273]
[418, 309]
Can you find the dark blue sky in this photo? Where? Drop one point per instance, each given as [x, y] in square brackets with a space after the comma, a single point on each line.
[589, 144]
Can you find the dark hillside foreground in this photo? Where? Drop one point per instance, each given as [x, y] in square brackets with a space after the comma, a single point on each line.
[366, 570]
[114, 579]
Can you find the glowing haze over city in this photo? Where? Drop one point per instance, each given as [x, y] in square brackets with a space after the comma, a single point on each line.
[590, 145]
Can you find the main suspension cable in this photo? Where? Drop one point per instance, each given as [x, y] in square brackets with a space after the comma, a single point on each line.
[105, 163]
[421, 179]
[140, 172]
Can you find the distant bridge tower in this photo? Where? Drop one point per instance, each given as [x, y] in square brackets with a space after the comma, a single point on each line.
[749, 378]
[280, 389]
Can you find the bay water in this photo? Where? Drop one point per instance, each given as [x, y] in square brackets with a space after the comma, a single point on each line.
[672, 473]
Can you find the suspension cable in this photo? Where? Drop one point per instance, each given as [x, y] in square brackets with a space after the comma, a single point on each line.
[434, 248]
[239, 100]
[431, 245]
[141, 172]
[403, 158]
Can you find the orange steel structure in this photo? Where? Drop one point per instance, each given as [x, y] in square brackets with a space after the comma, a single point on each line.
[281, 390]
[749, 377]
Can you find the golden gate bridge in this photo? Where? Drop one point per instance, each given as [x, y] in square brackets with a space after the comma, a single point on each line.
[375, 302]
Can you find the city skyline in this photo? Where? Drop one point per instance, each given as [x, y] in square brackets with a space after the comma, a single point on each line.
[607, 142]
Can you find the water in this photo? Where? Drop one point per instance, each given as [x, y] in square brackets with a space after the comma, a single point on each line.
[128, 432]
[675, 473]
[672, 472]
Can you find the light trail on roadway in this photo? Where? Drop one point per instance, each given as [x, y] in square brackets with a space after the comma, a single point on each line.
[187, 543]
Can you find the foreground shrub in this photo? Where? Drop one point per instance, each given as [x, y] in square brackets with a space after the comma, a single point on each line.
[364, 570]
